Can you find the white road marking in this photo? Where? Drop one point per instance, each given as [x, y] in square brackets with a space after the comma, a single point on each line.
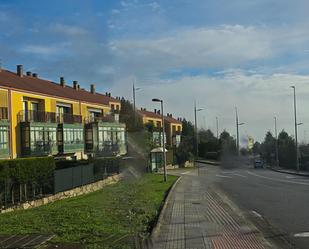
[257, 214]
[302, 235]
[186, 173]
[239, 175]
[278, 180]
[223, 176]
[290, 177]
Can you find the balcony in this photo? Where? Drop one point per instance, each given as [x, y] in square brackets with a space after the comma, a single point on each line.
[48, 117]
[4, 113]
[101, 118]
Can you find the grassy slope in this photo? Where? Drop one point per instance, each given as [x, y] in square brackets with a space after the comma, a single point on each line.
[115, 212]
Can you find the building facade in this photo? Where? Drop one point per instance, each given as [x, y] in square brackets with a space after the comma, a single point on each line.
[173, 127]
[39, 117]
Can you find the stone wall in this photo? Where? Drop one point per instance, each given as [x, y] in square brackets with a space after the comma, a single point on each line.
[85, 189]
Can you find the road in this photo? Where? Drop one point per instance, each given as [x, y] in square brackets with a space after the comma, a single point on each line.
[280, 199]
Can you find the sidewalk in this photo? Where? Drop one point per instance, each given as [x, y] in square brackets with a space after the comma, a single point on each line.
[196, 216]
[290, 171]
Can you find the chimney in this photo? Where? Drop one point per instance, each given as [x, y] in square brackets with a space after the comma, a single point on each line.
[19, 70]
[29, 73]
[158, 111]
[109, 94]
[62, 82]
[171, 115]
[155, 110]
[106, 93]
[92, 88]
[78, 86]
[75, 83]
[34, 75]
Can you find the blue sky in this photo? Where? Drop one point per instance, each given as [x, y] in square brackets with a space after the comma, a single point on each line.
[220, 53]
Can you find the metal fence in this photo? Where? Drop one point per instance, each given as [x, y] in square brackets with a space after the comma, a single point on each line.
[12, 194]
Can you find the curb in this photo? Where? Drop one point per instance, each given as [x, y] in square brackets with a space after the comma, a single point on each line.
[209, 162]
[287, 172]
[157, 227]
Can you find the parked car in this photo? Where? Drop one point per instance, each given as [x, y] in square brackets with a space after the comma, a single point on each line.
[258, 163]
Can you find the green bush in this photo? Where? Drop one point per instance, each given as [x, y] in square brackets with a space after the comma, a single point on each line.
[27, 170]
[109, 165]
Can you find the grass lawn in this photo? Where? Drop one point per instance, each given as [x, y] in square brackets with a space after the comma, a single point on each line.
[108, 218]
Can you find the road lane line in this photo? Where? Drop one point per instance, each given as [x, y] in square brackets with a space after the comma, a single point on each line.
[302, 235]
[257, 214]
[239, 175]
[223, 176]
[186, 173]
[278, 180]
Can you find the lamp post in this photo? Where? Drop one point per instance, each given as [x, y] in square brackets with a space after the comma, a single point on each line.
[277, 150]
[237, 130]
[163, 139]
[134, 106]
[295, 124]
[196, 132]
[217, 124]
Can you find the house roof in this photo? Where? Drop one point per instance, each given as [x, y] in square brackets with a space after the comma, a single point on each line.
[172, 120]
[40, 86]
[150, 114]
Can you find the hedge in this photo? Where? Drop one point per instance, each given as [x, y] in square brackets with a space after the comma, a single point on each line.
[109, 165]
[27, 170]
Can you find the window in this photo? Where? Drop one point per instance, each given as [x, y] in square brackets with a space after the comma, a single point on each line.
[4, 141]
[42, 139]
[158, 124]
[73, 136]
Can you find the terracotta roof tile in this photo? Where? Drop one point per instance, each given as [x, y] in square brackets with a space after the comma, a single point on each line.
[150, 114]
[40, 86]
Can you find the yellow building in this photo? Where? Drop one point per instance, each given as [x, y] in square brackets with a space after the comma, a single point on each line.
[39, 117]
[173, 127]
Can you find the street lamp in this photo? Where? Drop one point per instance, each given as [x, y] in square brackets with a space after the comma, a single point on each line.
[295, 124]
[237, 130]
[277, 150]
[134, 107]
[196, 132]
[217, 124]
[163, 139]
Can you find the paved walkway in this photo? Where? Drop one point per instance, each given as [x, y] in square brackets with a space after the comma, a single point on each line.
[196, 216]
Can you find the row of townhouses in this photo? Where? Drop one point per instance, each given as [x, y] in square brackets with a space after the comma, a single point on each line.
[40, 117]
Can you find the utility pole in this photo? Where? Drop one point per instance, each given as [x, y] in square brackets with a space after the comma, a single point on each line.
[163, 139]
[237, 131]
[217, 124]
[277, 150]
[295, 124]
[196, 134]
[134, 106]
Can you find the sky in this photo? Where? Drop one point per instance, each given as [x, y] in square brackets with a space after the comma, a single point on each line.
[219, 53]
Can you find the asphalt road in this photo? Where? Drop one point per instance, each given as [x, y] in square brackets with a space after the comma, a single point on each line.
[281, 199]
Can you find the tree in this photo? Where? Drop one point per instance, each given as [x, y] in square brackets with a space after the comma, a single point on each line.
[268, 148]
[185, 150]
[227, 143]
[127, 116]
[256, 148]
[287, 152]
[208, 144]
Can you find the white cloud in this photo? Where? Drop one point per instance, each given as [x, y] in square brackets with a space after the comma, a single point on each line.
[68, 30]
[45, 50]
[224, 46]
[258, 97]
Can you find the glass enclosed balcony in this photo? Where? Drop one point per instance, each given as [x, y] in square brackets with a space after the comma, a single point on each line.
[48, 133]
[4, 133]
[70, 138]
[106, 138]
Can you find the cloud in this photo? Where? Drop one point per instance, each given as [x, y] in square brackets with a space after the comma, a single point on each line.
[45, 50]
[224, 46]
[68, 30]
[258, 97]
